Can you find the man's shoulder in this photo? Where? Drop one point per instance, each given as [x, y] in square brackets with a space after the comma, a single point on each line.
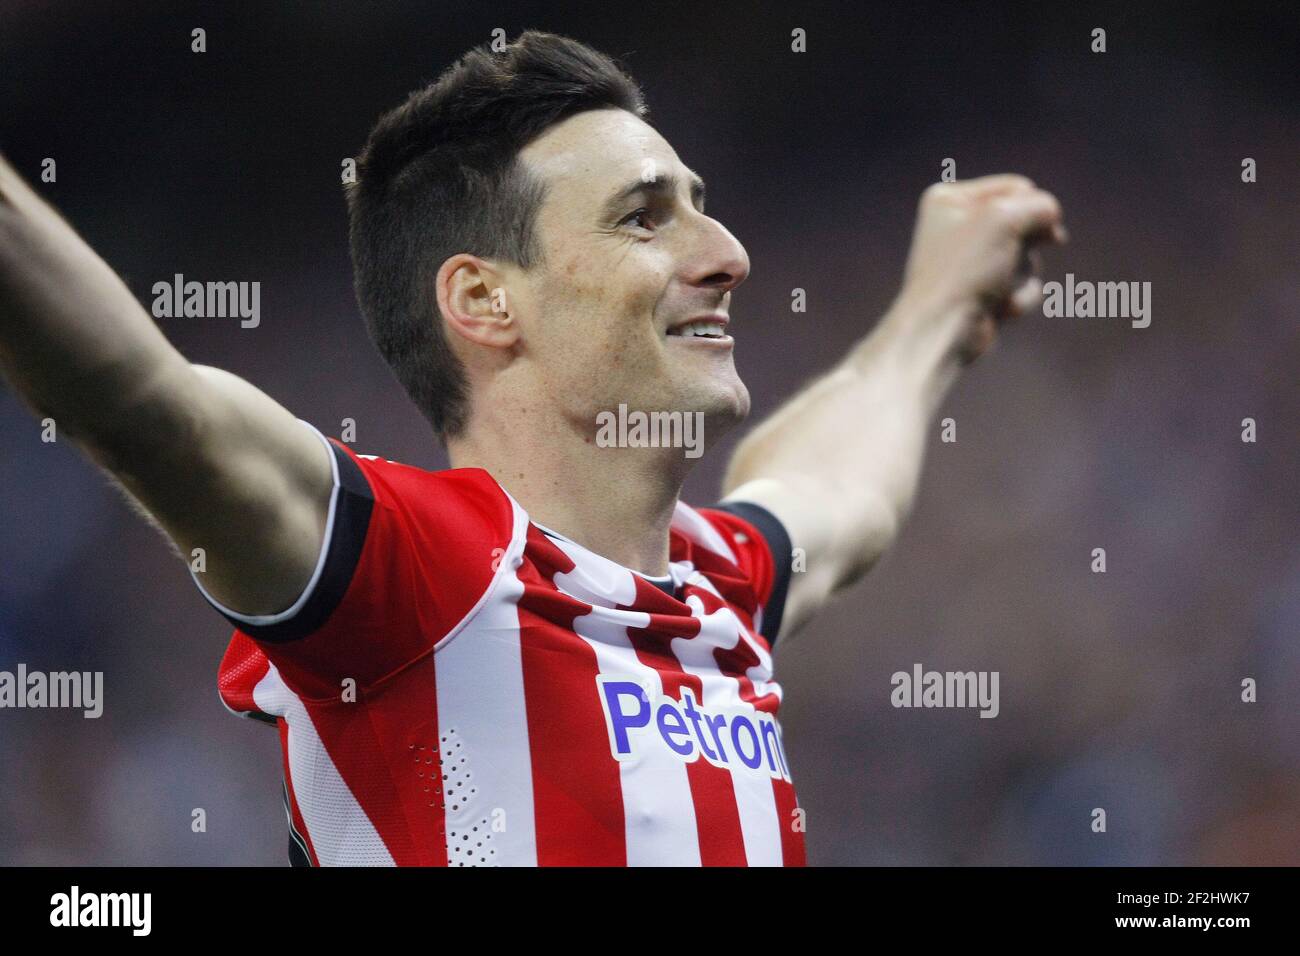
[444, 504]
[405, 478]
[744, 537]
[699, 526]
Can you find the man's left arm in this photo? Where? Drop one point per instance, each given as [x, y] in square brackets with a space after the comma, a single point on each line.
[839, 463]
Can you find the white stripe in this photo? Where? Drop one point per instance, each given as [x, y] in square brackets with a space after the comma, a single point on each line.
[760, 823]
[658, 808]
[481, 714]
[698, 528]
[340, 831]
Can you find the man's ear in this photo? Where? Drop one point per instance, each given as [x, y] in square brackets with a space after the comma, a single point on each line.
[472, 296]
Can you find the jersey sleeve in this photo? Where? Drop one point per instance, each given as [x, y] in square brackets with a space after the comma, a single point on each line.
[761, 546]
[407, 556]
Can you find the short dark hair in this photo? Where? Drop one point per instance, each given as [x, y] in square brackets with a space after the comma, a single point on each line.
[439, 175]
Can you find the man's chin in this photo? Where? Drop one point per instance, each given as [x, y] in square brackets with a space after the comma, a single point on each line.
[720, 404]
[725, 406]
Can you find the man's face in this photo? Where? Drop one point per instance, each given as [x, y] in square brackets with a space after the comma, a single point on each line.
[628, 257]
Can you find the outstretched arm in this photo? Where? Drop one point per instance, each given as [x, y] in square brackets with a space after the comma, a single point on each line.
[839, 463]
[217, 463]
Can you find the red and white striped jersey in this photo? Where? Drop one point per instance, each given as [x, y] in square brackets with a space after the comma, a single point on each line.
[460, 686]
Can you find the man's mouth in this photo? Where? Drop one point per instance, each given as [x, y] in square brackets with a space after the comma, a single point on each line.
[709, 327]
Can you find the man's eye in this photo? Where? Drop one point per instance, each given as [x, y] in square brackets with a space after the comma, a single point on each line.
[637, 218]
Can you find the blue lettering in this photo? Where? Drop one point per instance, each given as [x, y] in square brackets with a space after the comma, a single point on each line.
[619, 722]
[736, 723]
[715, 721]
[666, 711]
[694, 716]
[772, 744]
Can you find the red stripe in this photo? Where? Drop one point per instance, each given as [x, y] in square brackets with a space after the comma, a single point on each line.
[577, 794]
[404, 711]
[717, 816]
[735, 662]
[242, 668]
[791, 823]
[386, 748]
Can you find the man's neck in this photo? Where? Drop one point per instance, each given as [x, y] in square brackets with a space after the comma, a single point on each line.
[616, 502]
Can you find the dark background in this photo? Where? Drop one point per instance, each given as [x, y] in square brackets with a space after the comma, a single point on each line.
[1118, 690]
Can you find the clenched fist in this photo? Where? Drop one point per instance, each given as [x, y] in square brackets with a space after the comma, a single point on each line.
[973, 251]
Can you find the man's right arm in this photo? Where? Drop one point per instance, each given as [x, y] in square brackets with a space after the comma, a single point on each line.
[219, 464]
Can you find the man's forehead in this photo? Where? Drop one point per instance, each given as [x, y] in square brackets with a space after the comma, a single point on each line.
[599, 150]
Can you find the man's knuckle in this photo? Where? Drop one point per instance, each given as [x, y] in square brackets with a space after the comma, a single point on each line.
[1002, 210]
[936, 192]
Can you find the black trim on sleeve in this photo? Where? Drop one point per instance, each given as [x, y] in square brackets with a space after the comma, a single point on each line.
[778, 542]
[298, 855]
[352, 511]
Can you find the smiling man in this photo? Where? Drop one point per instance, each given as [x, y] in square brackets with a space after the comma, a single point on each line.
[540, 655]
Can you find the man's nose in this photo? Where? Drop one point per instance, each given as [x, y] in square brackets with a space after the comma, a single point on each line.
[720, 261]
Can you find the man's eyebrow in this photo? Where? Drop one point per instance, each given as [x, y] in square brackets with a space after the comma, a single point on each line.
[664, 185]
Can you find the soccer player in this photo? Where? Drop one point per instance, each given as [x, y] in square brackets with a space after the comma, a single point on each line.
[541, 655]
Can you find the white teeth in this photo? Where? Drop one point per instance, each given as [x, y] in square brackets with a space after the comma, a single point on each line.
[703, 329]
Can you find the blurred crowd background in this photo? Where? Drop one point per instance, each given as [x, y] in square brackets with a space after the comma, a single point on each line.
[1118, 690]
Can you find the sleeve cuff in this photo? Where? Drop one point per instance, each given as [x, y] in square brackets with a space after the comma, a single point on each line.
[351, 503]
[778, 543]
